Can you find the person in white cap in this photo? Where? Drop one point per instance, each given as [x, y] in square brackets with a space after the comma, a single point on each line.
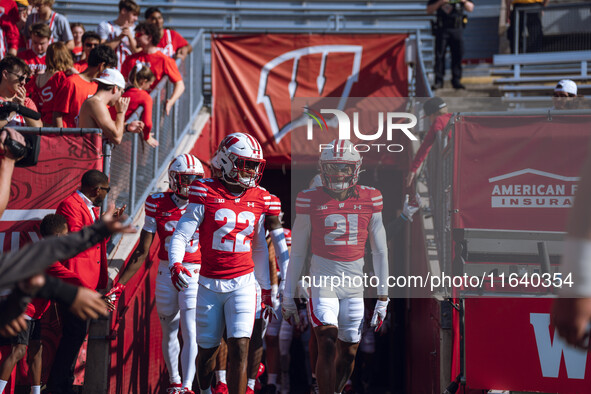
[94, 112]
[564, 94]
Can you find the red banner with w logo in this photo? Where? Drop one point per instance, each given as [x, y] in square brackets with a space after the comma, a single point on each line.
[255, 78]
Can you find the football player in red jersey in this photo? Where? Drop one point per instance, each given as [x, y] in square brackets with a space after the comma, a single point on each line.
[163, 211]
[336, 220]
[229, 212]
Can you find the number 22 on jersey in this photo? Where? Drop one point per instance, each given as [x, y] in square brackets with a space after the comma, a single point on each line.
[222, 237]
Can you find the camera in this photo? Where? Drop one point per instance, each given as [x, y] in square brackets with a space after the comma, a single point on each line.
[28, 154]
[6, 107]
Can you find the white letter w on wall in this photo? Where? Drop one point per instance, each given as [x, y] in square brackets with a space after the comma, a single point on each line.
[550, 352]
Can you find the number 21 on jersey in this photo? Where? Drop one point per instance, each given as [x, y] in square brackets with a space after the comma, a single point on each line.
[345, 225]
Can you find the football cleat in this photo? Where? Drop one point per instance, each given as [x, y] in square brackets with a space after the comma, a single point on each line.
[220, 388]
[183, 171]
[174, 388]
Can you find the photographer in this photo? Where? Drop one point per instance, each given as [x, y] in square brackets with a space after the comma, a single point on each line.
[7, 161]
[448, 31]
[14, 75]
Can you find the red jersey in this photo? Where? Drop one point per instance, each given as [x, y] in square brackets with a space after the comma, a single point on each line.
[274, 206]
[43, 96]
[228, 227]
[170, 42]
[164, 211]
[9, 16]
[338, 229]
[35, 62]
[137, 98]
[70, 97]
[81, 66]
[159, 63]
[77, 53]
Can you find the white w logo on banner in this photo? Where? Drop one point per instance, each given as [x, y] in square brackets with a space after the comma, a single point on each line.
[550, 352]
[262, 97]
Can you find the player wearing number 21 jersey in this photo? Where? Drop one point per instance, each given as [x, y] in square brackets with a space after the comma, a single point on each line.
[229, 213]
[336, 220]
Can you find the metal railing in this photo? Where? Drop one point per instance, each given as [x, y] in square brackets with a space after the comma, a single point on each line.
[555, 28]
[135, 166]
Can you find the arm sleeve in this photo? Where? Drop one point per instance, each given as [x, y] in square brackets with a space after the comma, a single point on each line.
[57, 290]
[34, 258]
[172, 70]
[281, 251]
[183, 234]
[260, 255]
[178, 41]
[300, 235]
[65, 33]
[150, 224]
[379, 251]
[423, 150]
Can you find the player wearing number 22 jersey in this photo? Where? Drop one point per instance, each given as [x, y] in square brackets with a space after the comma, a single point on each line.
[335, 221]
[229, 212]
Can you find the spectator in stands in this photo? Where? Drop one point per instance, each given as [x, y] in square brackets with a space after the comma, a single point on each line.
[448, 30]
[7, 161]
[147, 38]
[139, 81]
[9, 29]
[24, 10]
[80, 209]
[43, 87]
[57, 23]
[15, 74]
[78, 87]
[120, 33]
[436, 109]
[94, 112]
[535, 35]
[90, 40]
[172, 44]
[40, 39]
[564, 96]
[77, 33]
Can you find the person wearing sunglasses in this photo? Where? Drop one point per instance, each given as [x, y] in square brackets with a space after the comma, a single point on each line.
[564, 95]
[15, 74]
[90, 40]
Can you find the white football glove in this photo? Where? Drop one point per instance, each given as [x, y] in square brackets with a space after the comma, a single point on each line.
[289, 310]
[409, 209]
[379, 314]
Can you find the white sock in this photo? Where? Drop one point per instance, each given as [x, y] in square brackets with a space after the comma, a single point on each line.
[220, 375]
[251, 383]
[208, 391]
[272, 379]
[35, 389]
[3, 384]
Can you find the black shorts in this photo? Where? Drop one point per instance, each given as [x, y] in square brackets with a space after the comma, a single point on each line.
[32, 333]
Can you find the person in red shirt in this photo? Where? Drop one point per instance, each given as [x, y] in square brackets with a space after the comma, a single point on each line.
[77, 32]
[147, 38]
[436, 109]
[11, 15]
[15, 74]
[172, 44]
[43, 87]
[80, 209]
[78, 87]
[35, 57]
[140, 79]
[90, 40]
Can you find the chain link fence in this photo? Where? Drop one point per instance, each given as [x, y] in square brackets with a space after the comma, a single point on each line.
[134, 165]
